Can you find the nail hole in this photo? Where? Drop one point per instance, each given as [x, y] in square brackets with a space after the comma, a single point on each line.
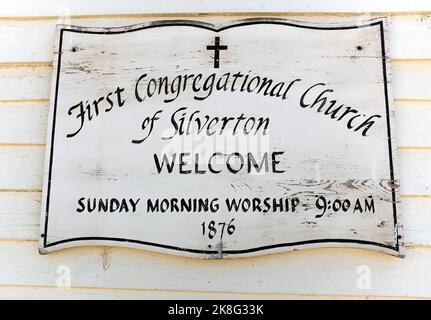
[359, 48]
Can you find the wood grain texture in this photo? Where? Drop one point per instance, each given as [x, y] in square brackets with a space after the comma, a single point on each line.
[28, 82]
[310, 273]
[20, 214]
[408, 34]
[315, 271]
[22, 168]
[91, 63]
[26, 124]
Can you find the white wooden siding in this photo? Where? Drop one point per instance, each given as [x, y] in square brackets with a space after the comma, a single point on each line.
[21, 8]
[27, 37]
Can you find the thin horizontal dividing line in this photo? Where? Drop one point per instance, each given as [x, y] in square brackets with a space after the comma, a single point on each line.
[29, 102]
[6, 190]
[413, 246]
[412, 102]
[176, 15]
[45, 102]
[48, 64]
[162, 291]
[415, 196]
[219, 14]
[398, 62]
[202, 292]
[26, 64]
[414, 149]
[42, 145]
[23, 145]
[191, 15]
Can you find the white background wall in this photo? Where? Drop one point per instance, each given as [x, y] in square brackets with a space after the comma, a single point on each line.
[26, 50]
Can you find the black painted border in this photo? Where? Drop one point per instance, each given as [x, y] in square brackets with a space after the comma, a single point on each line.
[210, 27]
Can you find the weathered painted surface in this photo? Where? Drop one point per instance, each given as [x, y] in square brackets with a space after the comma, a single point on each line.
[106, 176]
[333, 272]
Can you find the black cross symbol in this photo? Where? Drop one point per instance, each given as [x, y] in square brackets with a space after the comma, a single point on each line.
[216, 47]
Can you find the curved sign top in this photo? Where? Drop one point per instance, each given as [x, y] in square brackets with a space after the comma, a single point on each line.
[255, 136]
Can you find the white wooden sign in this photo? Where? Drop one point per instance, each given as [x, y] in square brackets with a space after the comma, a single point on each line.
[250, 137]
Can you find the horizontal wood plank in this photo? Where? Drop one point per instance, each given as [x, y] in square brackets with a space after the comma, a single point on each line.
[27, 124]
[26, 8]
[415, 172]
[416, 220]
[20, 214]
[408, 34]
[302, 272]
[412, 122]
[50, 293]
[411, 80]
[27, 82]
[22, 168]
